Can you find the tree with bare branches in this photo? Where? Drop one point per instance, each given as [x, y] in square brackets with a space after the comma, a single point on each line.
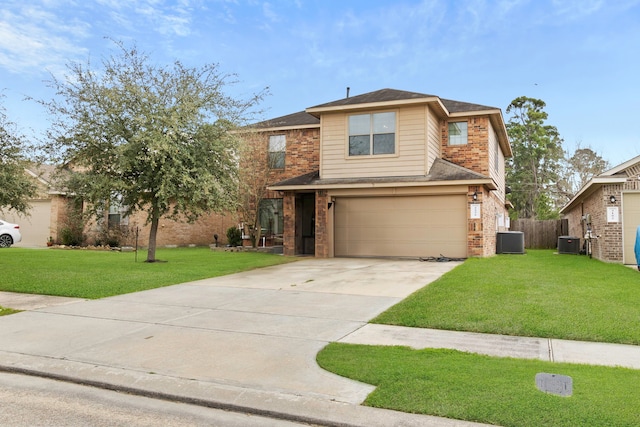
[253, 178]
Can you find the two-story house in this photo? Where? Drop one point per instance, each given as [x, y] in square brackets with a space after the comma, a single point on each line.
[389, 173]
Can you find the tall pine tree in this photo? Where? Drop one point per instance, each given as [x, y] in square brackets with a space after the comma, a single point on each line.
[536, 162]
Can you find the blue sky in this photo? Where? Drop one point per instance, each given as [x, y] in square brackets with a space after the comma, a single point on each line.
[579, 56]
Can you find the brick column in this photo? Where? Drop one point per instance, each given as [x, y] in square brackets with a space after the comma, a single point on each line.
[289, 232]
[322, 233]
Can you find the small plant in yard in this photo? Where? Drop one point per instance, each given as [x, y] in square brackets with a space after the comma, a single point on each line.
[234, 236]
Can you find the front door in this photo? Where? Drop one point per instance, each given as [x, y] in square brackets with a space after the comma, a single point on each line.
[306, 224]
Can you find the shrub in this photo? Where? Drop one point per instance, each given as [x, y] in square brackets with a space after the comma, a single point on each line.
[234, 236]
[71, 236]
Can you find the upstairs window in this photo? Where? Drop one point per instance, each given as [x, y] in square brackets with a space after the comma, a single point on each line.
[457, 133]
[277, 146]
[372, 134]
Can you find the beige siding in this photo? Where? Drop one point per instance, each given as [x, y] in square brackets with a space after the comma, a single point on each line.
[409, 159]
[497, 173]
[434, 149]
[631, 221]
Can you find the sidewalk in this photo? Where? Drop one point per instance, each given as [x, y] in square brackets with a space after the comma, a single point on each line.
[18, 301]
[550, 350]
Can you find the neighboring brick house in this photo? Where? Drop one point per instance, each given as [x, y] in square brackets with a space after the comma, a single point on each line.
[51, 213]
[611, 201]
[390, 173]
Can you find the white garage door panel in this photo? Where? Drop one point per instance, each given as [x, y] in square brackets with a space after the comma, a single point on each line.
[401, 226]
[630, 221]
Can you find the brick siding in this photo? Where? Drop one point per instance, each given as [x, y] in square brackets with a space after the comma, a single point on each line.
[608, 246]
[475, 154]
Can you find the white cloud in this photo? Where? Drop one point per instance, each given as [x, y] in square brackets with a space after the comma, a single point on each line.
[33, 39]
[269, 13]
[576, 9]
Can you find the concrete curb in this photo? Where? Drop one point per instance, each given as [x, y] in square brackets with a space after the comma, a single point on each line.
[288, 407]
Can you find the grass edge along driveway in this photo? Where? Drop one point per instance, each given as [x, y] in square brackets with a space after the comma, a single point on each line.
[538, 294]
[98, 274]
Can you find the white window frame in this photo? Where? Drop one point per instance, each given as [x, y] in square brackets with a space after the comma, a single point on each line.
[277, 151]
[463, 137]
[372, 135]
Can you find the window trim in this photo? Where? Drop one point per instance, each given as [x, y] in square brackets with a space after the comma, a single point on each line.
[264, 213]
[283, 151]
[466, 140]
[371, 155]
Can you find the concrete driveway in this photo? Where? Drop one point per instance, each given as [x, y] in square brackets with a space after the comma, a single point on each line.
[256, 331]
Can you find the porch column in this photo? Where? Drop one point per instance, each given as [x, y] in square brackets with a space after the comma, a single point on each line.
[322, 224]
[289, 232]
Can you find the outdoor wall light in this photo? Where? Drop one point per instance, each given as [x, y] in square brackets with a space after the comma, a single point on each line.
[329, 205]
[475, 196]
[612, 199]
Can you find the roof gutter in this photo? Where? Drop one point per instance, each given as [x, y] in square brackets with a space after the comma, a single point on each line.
[328, 186]
[589, 188]
[317, 111]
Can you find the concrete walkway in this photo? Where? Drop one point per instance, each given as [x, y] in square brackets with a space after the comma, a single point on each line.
[248, 341]
[19, 301]
[550, 350]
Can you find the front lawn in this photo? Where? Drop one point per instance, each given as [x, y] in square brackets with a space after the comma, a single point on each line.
[485, 389]
[539, 294]
[98, 274]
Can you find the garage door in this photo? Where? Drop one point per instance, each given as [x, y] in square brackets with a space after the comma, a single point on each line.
[34, 228]
[401, 226]
[630, 222]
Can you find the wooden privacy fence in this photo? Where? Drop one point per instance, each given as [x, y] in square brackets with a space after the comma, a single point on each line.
[541, 234]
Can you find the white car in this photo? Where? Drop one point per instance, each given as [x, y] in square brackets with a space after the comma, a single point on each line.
[9, 234]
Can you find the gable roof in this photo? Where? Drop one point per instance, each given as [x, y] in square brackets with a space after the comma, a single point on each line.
[296, 120]
[394, 96]
[628, 168]
[442, 171]
[615, 175]
[382, 95]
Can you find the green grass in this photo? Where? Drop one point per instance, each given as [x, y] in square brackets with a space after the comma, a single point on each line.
[487, 389]
[98, 274]
[539, 294]
[4, 311]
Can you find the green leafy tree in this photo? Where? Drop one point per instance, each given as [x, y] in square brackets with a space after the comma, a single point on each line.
[534, 169]
[152, 138]
[16, 188]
